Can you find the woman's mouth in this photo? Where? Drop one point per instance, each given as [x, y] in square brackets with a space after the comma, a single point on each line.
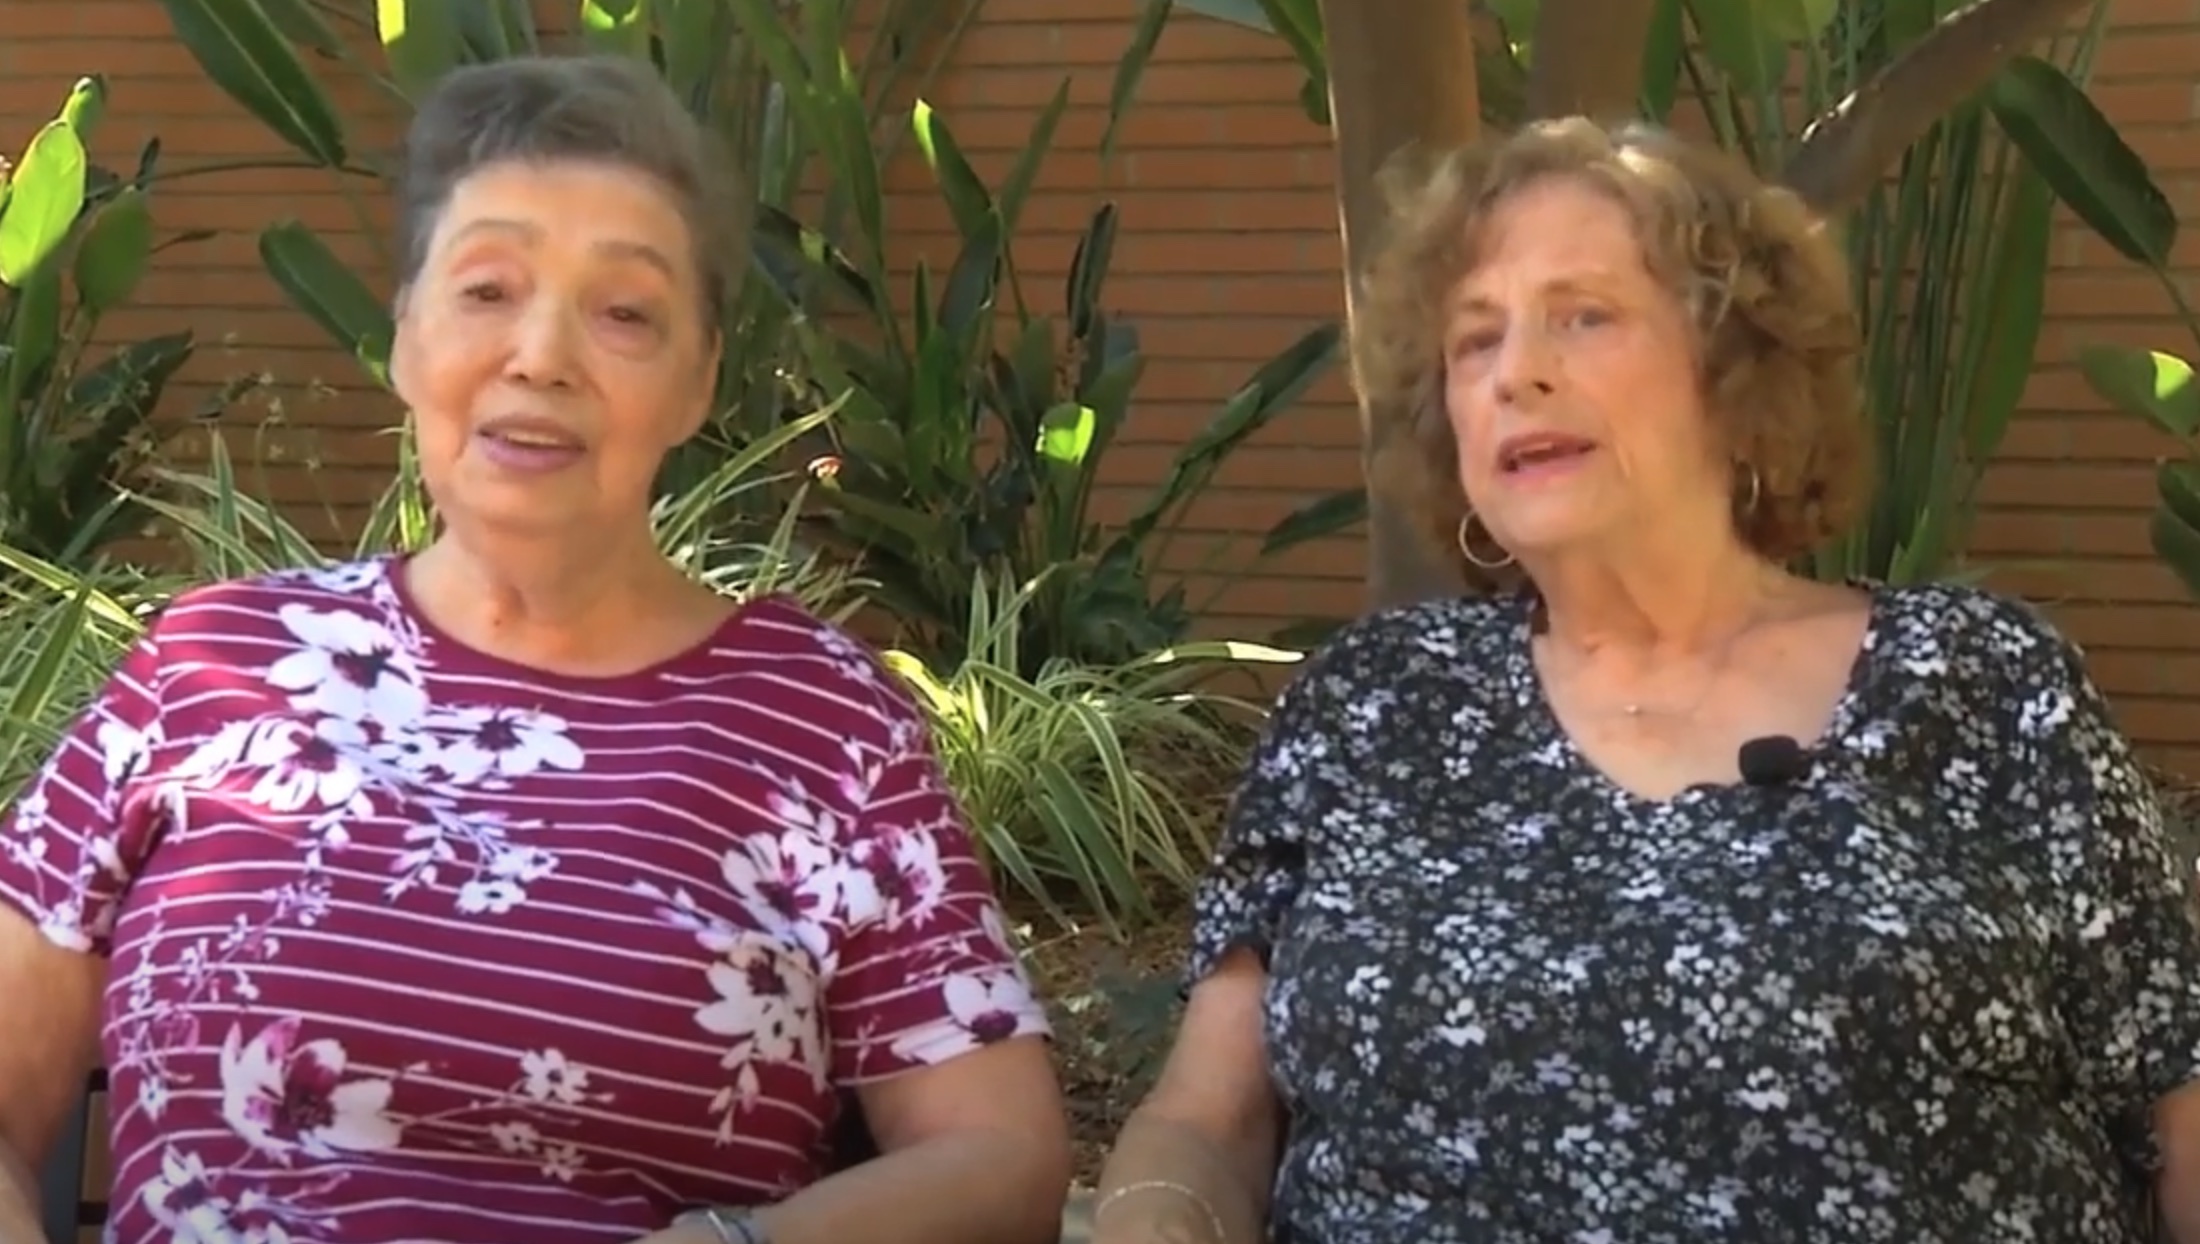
[1541, 455]
[530, 446]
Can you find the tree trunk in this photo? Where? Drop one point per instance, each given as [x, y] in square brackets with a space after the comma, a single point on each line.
[1587, 58]
[1401, 74]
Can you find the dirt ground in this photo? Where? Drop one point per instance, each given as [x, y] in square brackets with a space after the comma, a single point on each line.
[1114, 1013]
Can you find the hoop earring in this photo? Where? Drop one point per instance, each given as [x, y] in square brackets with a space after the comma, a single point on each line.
[1753, 493]
[1467, 524]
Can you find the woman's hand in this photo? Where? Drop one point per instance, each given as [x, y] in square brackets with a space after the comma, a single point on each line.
[1194, 1163]
[974, 1150]
[2177, 1188]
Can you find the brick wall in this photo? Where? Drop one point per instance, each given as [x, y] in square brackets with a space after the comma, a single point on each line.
[1227, 253]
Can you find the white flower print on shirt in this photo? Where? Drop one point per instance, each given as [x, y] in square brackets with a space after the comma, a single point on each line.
[791, 883]
[279, 1095]
[902, 876]
[181, 1199]
[767, 1003]
[309, 765]
[484, 745]
[350, 667]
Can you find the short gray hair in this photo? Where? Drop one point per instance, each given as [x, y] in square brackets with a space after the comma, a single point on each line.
[546, 109]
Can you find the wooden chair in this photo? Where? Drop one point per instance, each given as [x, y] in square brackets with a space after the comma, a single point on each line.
[68, 1212]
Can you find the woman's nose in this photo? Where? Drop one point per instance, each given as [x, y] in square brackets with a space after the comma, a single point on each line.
[1525, 367]
[542, 346]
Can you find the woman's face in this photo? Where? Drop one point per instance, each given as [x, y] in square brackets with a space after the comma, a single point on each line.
[551, 348]
[1571, 380]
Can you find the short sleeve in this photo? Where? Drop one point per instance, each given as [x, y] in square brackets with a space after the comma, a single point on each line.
[924, 969]
[1260, 860]
[2131, 985]
[79, 831]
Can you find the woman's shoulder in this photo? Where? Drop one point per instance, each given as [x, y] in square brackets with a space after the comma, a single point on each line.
[1975, 633]
[247, 605]
[1418, 644]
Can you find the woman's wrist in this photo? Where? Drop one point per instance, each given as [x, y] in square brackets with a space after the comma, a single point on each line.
[1158, 1210]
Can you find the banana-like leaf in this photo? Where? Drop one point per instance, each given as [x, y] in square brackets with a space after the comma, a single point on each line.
[319, 284]
[420, 41]
[1846, 151]
[617, 27]
[112, 255]
[1319, 519]
[2178, 545]
[246, 55]
[2149, 383]
[48, 193]
[2080, 153]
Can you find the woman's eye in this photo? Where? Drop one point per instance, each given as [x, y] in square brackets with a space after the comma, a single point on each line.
[631, 316]
[1475, 343]
[484, 292]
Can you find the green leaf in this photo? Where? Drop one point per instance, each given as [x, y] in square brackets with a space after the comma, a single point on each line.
[1066, 434]
[967, 198]
[247, 57]
[2089, 165]
[1088, 272]
[2145, 382]
[1661, 60]
[2178, 545]
[966, 302]
[1017, 186]
[1275, 387]
[318, 283]
[1251, 14]
[615, 27]
[48, 193]
[87, 103]
[697, 34]
[1797, 21]
[1130, 69]
[1319, 519]
[420, 41]
[1739, 38]
[117, 245]
[2178, 484]
[300, 22]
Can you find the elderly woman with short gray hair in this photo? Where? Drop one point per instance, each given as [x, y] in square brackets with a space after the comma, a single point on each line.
[523, 889]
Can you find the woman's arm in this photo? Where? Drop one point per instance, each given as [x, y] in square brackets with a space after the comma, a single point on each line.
[974, 1150]
[2129, 992]
[928, 1015]
[69, 845]
[46, 1051]
[1194, 1163]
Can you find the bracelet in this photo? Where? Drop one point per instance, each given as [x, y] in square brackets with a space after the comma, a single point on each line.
[1214, 1219]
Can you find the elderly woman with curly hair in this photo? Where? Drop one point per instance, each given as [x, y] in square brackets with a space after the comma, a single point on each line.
[1673, 897]
[524, 891]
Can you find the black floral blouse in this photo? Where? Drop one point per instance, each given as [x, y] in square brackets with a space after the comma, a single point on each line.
[1925, 994]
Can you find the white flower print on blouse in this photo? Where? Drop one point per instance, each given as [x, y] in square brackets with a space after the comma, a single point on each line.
[487, 745]
[280, 1095]
[350, 666]
[1927, 993]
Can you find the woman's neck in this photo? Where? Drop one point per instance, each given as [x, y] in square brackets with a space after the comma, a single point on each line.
[546, 603]
[1655, 607]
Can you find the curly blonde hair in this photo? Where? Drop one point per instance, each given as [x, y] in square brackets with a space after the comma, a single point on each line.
[1762, 276]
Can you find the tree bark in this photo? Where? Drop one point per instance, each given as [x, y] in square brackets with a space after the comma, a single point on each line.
[1586, 58]
[1401, 74]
